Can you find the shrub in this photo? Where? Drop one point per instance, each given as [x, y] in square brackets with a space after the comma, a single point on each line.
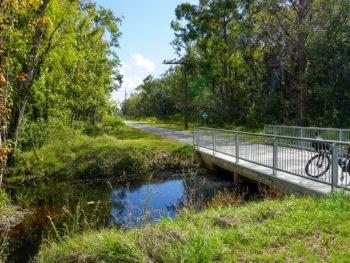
[93, 130]
[108, 125]
[112, 122]
[4, 198]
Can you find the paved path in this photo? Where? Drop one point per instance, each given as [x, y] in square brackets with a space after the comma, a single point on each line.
[181, 136]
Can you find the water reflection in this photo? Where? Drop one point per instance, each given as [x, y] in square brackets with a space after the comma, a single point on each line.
[98, 205]
[152, 201]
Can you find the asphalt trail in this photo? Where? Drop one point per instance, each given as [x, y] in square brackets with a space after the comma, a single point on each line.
[180, 136]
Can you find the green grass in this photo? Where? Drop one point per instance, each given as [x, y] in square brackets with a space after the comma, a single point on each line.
[169, 124]
[4, 199]
[302, 229]
[71, 154]
[179, 125]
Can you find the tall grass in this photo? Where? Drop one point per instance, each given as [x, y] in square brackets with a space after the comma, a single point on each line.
[119, 151]
[4, 198]
[4, 202]
[304, 229]
[4, 245]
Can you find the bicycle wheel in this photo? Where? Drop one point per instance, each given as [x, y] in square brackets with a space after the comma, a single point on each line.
[318, 165]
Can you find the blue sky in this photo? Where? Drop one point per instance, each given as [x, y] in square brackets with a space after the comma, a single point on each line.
[146, 38]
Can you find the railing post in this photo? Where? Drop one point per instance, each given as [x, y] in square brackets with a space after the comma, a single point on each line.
[237, 147]
[301, 135]
[213, 138]
[194, 136]
[275, 156]
[341, 136]
[334, 166]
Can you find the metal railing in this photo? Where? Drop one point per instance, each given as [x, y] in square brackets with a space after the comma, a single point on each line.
[282, 153]
[333, 134]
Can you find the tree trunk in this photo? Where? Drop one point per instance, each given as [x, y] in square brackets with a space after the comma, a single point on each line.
[186, 97]
[2, 163]
[32, 70]
[225, 72]
[303, 14]
[2, 99]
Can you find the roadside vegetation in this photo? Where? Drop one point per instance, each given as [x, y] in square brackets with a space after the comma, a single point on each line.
[264, 231]
[109, 150]
[176, 122]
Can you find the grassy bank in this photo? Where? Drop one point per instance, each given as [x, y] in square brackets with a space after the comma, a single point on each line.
[177, 124]
[292, 230]
[120, 152]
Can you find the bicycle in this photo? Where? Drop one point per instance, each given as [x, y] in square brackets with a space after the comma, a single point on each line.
[321, 162]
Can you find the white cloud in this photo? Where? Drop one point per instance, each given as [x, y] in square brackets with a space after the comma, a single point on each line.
[143, 63]
[134, 71]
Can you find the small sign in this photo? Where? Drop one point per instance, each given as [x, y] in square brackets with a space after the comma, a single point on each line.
[205, 117]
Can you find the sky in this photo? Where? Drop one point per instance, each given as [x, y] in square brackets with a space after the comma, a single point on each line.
[145, 40]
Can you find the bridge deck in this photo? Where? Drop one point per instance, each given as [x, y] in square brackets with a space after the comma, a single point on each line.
[281, 180]
[257, 158]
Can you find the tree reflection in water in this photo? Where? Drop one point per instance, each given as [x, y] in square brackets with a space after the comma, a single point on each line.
[152, 201]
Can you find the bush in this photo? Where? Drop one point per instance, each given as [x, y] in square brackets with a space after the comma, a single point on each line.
[93, 130]
[36, 134]
[4, 198]
[176, 118]
[108, 125]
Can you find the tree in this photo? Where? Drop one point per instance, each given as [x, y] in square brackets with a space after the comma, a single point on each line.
[55, 62]
[257, 62]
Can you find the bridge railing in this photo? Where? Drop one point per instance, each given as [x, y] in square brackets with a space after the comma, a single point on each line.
[283, 154]
[309, 132]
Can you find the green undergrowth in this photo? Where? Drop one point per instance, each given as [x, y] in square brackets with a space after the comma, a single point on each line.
[120, 152]
[4, 199]
[303, 229]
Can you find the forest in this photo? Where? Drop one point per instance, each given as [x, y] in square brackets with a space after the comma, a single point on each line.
[253, 62]
[56, 67]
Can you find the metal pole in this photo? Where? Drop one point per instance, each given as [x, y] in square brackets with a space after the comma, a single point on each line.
[237, 147]
[275, 156]
[213, 138]
[186, 97]
[334, 166]
[302, 136]
[194, 135]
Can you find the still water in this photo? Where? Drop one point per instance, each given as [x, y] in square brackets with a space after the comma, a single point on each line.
[72, 207]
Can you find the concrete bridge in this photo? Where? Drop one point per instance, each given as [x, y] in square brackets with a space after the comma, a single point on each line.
[278, 160]
[278, 157]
